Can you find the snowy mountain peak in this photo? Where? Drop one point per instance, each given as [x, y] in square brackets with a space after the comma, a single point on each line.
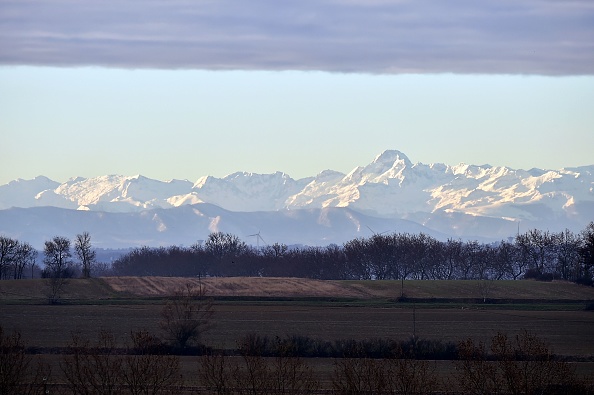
[388, 165]
[22, 193]
[329, 175]
[37, 182]
[201, 182]
[391, 186]
[75, 179]
[392, 157]
[240, 177]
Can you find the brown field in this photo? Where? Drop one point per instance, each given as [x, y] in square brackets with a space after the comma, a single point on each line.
[235, 286]
[117, 304]
[326, 310]
[269, 287]
[301, 287]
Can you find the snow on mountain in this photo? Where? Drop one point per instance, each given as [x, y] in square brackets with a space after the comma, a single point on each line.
[388, 187]
[507, 193]
[315, 193]
[462, 200]
[248, 191]
[22, 193]
[113, 193]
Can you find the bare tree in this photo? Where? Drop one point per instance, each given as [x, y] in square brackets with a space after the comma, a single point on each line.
[14, 257]
[84, 252]
[527, 366]
[475, 374]
[540, 246]
[186, 315]
[256, 378]
[522, 365]
[147, 370]
[218, 373]
[13, 361]
[58, 268]
[410, 376]
[567, 257]
[25, 256]
[58, 258]
[17, 375]
[359, 376]
[102, 369]
[221, 244]
[8, 249]
[587, 251]
[290, 374]
[94, 369]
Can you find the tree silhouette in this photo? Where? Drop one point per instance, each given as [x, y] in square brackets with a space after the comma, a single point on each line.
[84, 252]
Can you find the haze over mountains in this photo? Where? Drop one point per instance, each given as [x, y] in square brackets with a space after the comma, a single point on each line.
[389, 194]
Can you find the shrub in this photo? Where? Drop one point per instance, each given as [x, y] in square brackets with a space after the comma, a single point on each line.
[17, 375]
[585, 281]
[254, 345]
[383, 376]
[101, 368]
[186, 316]
[536, 274]
[522, 365]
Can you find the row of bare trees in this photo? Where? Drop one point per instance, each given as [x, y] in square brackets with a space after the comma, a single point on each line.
[58, 256]
[521, 364]
[142, 367]
[17, 256]
[537, 254]
[534, 254]
[59, 265]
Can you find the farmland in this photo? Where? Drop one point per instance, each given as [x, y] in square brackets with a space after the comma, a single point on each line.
[130, 288]
[442, 311]
[329, 310]
[51, 326]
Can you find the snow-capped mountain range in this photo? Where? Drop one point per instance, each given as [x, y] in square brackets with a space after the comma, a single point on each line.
[465, 201]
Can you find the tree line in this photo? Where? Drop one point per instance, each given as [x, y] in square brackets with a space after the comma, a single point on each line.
[16, 257]
[521, 364]
[535, 254]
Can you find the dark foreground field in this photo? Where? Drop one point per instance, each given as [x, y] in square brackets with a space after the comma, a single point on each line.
[442, 311]
[329, 310]
[51, 326]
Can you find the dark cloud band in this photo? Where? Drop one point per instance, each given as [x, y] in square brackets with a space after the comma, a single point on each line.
[370, 36]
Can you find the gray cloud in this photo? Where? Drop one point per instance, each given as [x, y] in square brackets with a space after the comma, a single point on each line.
[371, 36]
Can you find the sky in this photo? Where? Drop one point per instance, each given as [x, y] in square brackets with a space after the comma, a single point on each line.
[182, 89]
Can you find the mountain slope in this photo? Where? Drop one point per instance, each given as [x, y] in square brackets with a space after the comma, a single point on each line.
[463, 200]
[185, 225]
[23, 193]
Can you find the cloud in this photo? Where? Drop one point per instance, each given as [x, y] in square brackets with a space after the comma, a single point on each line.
[369, 36]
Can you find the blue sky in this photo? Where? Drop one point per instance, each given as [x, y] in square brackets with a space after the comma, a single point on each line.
[184, 89]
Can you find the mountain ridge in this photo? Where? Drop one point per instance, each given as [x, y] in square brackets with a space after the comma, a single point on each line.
[390, 187]
[188, 224]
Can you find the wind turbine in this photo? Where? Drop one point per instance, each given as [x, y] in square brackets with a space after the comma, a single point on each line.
[376, 234]
[258, 238]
